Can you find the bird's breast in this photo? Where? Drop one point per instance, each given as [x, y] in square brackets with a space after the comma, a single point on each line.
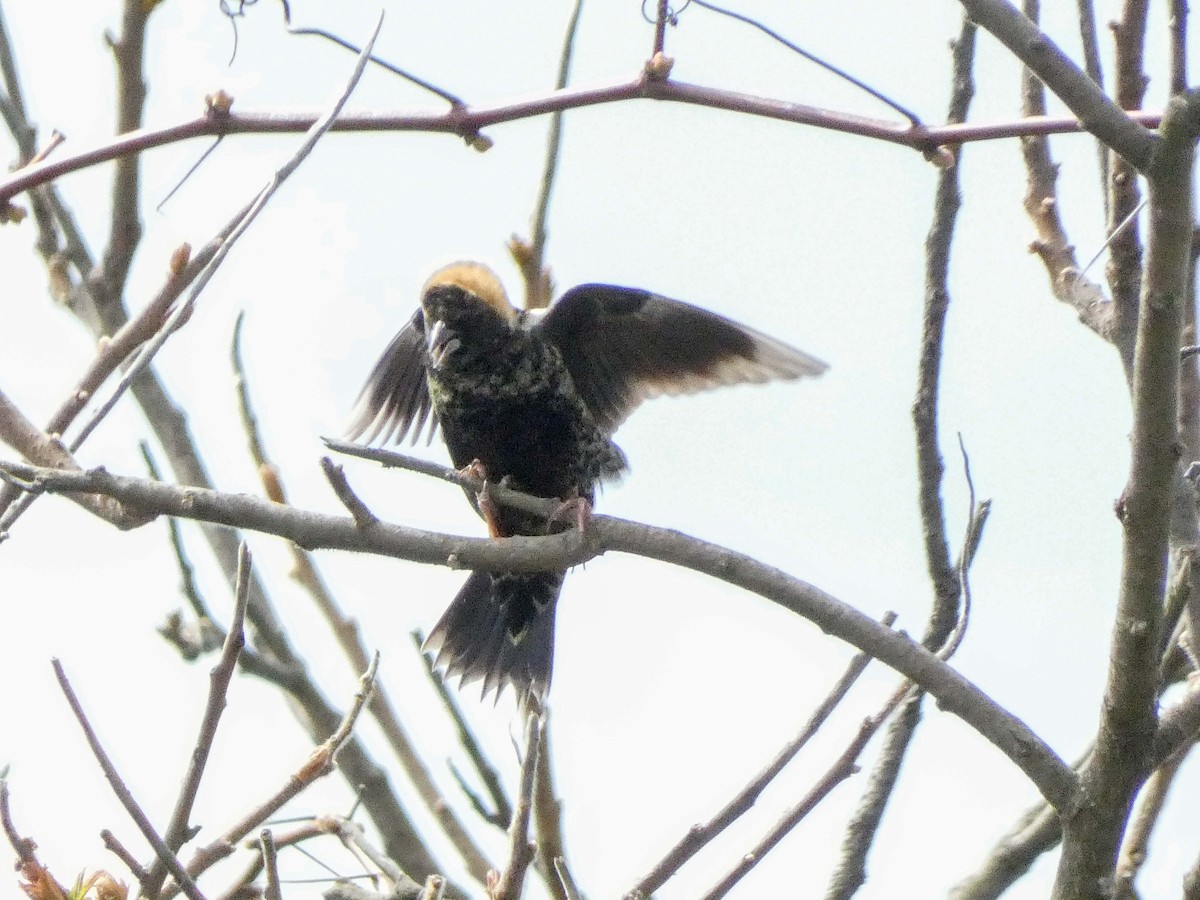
[522, 419]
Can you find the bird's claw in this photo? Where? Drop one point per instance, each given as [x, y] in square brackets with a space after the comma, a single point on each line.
[576, 509]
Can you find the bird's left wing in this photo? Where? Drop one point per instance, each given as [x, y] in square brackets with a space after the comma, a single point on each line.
[395, 400]
[624, 345]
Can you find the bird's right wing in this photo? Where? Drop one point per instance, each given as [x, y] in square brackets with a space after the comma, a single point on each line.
[395, 400]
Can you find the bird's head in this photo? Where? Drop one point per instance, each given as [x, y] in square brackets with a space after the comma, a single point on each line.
[465, 308]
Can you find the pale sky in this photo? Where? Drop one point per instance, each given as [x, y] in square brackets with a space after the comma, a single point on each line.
[670, 690]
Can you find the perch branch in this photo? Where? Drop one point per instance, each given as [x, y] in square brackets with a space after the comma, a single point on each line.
[955, 693]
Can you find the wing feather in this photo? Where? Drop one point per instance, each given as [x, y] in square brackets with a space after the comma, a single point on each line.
[624, 345]
[394, 403]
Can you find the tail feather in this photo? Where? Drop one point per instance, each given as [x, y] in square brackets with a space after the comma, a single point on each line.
[500, 629]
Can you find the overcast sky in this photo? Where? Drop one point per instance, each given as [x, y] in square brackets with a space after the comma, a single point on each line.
[670, 690]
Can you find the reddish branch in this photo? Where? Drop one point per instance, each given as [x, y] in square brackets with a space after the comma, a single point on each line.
[466, 121]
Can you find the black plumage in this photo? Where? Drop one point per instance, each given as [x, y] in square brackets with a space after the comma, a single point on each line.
[535, 400]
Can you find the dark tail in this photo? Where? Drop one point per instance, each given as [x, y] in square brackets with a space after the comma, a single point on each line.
[500, 629]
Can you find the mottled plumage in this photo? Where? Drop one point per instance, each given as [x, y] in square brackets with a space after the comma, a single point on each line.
[536, 401]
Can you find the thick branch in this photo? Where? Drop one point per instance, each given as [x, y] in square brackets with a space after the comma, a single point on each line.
[955, 693]
[1128, 718]
[1099, 115]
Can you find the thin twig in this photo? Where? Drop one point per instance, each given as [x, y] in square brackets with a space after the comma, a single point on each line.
[1136, 845]
[660, 27]
[863, 827]
[244, 220]
[520, 852]
[842, 768]
[219, 679]
[570, 889]
[319, 764]
[25, 848]
[346, 631]
[125, 226]
[336, 476]
[450, 98]
[111, 354]
[501, 812]
[887, 101]
[169, 859]
[1091, 64]
[187, 575]
[1100, 115]
[351, 834]
[547, 817]
[114, 846]
[435, 888]
[271, 890]
[530, 256]
[699, 836]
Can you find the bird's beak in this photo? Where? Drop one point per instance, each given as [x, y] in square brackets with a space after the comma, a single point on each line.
[441, 342]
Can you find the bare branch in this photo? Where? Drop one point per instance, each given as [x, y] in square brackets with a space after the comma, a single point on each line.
[1179, 61]
[319, 764]
[955, 693]
[1099, 115]
[1125, 255]
[1037, 832]
[520, 852]
[547, 818]
[354, 504]
[346, 631]
[1136, 845]
[944, 576]
[113, 352]
[272, 890]
[1091, 65]
[119, 850]
[25, 437]
[25, 848]
[219, 679]
[570, 889]
[187, 885]
[1052, 245]
[1128, 717]
[125, 230]
[501, 812]
[842, 768]
[469, 120]
[530, 256]
[699, 836]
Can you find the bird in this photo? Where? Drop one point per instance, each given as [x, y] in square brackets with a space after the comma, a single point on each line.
[532, 399]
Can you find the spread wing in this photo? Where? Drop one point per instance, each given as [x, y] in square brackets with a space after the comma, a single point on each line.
[624, 345]
[395, 400]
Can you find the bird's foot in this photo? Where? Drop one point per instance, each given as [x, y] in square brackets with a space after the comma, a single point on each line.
[474, 469]
[576, 509]
[489, 509]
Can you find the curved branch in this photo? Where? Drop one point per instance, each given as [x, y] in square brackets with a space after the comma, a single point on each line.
[466, 122]
[1053, 777]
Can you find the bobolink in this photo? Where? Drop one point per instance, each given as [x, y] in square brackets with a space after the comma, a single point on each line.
[535, 399]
